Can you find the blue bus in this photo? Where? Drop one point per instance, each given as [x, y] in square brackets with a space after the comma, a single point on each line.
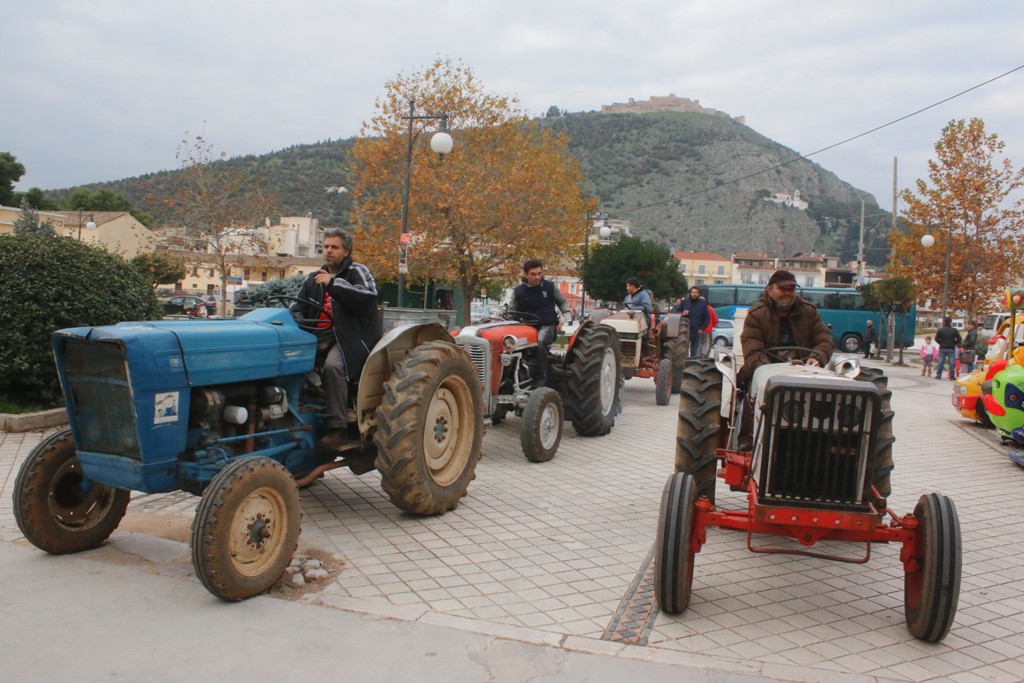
[842, 309]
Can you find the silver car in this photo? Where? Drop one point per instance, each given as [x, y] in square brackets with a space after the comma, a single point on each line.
[721, 334]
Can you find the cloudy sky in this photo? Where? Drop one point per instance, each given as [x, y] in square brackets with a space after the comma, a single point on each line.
[107, 89]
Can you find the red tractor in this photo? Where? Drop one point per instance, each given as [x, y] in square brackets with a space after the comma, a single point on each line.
[815, 468]
[583, 383]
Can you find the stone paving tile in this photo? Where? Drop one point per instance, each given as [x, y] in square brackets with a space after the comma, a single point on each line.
[555, 547]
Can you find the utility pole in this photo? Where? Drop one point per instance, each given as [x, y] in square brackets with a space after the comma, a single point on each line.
[860, 247]
[891, 326]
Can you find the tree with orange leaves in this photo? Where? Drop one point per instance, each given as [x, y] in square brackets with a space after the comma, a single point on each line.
[972, 208]
[507, 192]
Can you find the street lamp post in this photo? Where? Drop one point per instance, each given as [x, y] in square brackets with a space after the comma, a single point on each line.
[441, 143]
[89, 226]
[927, 241]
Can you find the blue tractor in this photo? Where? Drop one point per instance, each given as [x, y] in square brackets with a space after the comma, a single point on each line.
[230, 410]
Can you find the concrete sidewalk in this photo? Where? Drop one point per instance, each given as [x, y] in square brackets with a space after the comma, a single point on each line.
[555, 558]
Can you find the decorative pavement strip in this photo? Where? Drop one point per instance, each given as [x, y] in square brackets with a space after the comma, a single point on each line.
[633, 620]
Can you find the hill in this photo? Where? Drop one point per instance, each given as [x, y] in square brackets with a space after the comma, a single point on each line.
[689, 181]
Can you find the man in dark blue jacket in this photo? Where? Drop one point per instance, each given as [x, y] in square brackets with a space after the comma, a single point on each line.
[342, 298]
[539, 298]
[695, 309]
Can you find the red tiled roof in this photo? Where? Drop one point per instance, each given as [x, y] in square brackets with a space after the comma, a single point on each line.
[699, 256]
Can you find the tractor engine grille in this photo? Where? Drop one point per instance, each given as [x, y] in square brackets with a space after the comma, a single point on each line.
[479, 352]
[818, 445]
[97, 376]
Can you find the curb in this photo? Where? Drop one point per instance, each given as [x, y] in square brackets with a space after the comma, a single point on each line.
[33, 422]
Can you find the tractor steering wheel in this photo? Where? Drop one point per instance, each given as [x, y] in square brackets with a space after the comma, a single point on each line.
[521, 316]
[798, 355]
[304, 323]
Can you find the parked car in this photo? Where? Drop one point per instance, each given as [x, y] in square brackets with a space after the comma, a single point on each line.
[721, 334]
[183, 305]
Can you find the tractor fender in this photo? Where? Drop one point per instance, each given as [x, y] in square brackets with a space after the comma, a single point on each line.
[670, 323]
[392, 348]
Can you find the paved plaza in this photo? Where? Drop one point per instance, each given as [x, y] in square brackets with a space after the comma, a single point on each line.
[559, 554]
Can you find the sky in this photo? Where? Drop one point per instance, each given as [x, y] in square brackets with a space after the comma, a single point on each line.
[108, 89]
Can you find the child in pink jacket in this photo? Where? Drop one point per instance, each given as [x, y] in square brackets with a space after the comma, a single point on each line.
[929, 353]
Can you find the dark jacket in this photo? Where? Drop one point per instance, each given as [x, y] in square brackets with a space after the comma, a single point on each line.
[870, 334]
[947, 337]
[697, 310]
[358, 324]
[540, 301]
[762, 330]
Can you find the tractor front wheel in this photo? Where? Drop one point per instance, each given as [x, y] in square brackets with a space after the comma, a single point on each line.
[429, 429]
[541, 430]
[932, 591]
[57, 507]
[673, 553]
[246, 528]
[663, 382]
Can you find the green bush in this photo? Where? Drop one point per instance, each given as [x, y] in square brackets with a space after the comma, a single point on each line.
[49, 283]
[257, 295]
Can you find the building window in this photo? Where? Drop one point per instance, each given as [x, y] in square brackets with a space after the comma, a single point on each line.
[701, 269]
[762, 279]
[699, 282]
[682, 267]
[746, 278]
[719, 282]
[809, 281]
[721, 270]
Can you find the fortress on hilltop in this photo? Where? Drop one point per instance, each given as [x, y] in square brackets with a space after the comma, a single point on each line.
[670, 103]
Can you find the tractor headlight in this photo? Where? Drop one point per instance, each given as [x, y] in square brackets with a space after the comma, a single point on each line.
[793, 412]
[508, 344]
[849, 416]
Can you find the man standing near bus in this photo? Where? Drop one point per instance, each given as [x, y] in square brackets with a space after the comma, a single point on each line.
[781, 318]
[870, 337]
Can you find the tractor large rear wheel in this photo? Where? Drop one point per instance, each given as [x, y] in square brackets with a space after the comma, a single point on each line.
[700, 406]
[593, 387]
[429, 429]
[57, 507]
[882, 463]
[678, 350]
[931, 593]
[673, 556]
[246, 528]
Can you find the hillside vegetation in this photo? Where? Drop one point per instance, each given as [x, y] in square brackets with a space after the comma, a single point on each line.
[685, 180]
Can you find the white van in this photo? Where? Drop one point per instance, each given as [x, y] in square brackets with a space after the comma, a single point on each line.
[992, 323]
[958, 323]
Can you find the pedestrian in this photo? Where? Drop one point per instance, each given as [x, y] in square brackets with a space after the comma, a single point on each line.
[929, 353]
[948, 338]
[870, 337]
[706, 344]
[970, 353]
[695, 309]
[538, 298]
[341, 298]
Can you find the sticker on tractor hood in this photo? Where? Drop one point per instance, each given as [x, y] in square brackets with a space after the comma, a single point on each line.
[165, 407]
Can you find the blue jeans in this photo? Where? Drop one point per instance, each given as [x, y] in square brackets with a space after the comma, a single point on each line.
[946, 356]
[696, 340]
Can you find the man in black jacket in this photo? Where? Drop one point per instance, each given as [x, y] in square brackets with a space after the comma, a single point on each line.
[341, 296]
[948, 339]
[542, 301]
